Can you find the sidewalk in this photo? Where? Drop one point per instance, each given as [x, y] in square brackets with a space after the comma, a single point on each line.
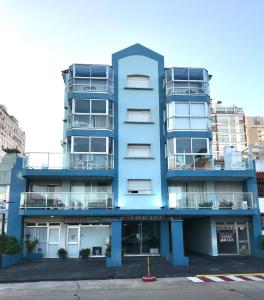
[133, 267]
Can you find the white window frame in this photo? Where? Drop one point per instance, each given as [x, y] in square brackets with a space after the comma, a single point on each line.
[137, 190]
[90, 137]
[139, 146]
[191, 153]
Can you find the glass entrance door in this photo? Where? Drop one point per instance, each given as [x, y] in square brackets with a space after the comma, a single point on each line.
[140, 238]
[53, 241]
[73, 241]
[243, 242]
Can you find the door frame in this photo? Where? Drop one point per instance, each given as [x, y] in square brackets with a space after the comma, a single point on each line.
[78, 227]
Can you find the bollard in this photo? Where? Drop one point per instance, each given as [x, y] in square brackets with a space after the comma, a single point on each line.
[148, 278]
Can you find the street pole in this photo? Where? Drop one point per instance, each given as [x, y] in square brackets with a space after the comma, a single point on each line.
[1, 240]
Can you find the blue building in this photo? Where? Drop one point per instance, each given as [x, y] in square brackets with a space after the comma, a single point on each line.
[137, 170]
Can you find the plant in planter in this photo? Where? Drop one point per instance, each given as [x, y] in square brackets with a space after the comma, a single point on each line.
[72, 204]
[224, 204]
[84, 253]
[108, 250]
[9, 245]
[30, 245]
[206, 205]
[61, 205]
[62, 253]
[79, 205]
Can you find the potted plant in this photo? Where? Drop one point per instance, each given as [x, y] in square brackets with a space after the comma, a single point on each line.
[79, 205]
[10, 249]
[72, 204]
[61, 205]
[84, 253]
[31, 246]
[62, 253]
[108, 250]
[206, 205]
[225, 204]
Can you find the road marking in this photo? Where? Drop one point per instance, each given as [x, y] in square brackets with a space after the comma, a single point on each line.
[195, 279]
[227, 277]
[234, 278]
[255, 278]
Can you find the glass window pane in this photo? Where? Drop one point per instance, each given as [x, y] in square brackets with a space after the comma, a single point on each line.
[183, 146]
[182, 123]
[199, 123]
[54, 234]
[196, 74]
[197, 109]
[81, 145]
[82, 106]
[110, 108]
[182, 109]
[110, 73]
[98, 71]
[180, 74]
[169, 75]
[110, 146]
[170, 147]
[99, 106]
[199, 145]
[98, 145]
[82, 71]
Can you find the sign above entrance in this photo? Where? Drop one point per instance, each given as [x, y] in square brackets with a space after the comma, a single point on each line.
[85, 220]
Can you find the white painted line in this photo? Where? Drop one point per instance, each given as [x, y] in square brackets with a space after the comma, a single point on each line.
[216, 279]
[253, 278]
[195, 279]
[234, 278]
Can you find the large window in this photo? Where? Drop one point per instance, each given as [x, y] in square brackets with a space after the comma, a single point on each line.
[138, 115]
[92, 106]
[92, 145]
[138, 150]
[187, 116]
[139, 186]
[188, 153]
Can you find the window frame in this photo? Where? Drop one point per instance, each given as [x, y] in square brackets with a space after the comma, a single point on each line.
[174, 140]
[89, 142]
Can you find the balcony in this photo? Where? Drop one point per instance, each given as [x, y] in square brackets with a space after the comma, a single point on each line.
[82, 121]
[215, 201]
[90, 85]
[46, 160]
[193, 88]
[66, 200]
[207, 162]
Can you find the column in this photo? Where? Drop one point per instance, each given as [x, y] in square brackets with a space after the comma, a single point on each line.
[164, 239]
[256, 232]
[115, 260]
[177, 252]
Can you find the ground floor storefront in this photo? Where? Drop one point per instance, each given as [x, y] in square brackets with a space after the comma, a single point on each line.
[173, 239]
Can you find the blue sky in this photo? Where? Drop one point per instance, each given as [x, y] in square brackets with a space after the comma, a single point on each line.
[41, 38]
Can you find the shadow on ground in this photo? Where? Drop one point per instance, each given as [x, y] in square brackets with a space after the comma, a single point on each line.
[132, 267]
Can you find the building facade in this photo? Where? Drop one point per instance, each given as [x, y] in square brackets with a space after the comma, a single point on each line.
[11, 135]
[229, 128]
[137, 170]
[255, 130]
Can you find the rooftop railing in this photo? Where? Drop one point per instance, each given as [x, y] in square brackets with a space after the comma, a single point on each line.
[87, 161]
[66, 200]
[212, 200]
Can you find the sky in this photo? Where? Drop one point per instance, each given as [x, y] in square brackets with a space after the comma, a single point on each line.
[39, 39]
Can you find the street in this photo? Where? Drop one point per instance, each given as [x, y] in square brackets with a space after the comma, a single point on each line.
[170, 288]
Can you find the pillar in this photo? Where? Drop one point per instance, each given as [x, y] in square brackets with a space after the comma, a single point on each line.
[177, 246]
[164, 239]
[115, 260]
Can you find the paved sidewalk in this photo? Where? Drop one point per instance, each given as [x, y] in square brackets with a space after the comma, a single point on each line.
[133, 267]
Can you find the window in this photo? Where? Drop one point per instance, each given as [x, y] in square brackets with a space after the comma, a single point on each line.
[138, 150]
[137, 81]
[187, 146]
[92, 145]
[187, 116]
[95, 106]
[223, 138]
[138, 115]
[139, 186]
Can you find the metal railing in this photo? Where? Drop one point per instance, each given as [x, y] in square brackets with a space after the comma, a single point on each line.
[211, 200]
[187, 87]
[66, 200]
[90, 121]
[90, 85]
[208, 162]
[47, 160]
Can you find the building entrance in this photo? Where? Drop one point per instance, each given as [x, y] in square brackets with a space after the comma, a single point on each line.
[140, 238]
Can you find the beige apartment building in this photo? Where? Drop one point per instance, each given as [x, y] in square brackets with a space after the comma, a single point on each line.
[229, 128]
[11, 135]
[255, 130]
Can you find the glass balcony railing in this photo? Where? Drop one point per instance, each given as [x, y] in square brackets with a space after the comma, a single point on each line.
[207, 162]
[46, 160]
[212, 200]
[66, 200]
[187, 87]
[90, 85]
[90, 121]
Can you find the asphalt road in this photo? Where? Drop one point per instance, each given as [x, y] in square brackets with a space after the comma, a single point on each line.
[126, 289]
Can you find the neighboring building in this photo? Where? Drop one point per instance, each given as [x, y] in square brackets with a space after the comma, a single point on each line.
[228, 125]
[137, 169]
[11, 136]
[255, 130]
